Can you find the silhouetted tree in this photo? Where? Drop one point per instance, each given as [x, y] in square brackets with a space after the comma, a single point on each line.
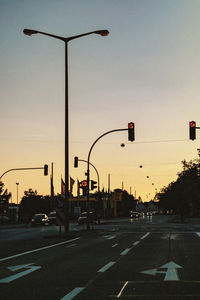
[4, 199]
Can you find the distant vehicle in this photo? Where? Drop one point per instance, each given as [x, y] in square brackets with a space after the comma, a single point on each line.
[4, 220]
[149, 214]
[134, 214]
[52, 218]
[83, 218]
[40, 219]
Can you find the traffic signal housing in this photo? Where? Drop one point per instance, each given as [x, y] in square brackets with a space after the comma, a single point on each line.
[131, 131]
[93, 184]
[76, 162]
[45, 170]
[83, 186]
[192, 130]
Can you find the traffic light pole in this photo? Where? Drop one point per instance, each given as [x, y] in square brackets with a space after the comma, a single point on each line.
[95, 170]
[17, 169]
[88, 170]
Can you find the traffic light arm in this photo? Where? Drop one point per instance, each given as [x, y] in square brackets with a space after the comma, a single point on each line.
[17, 169]
[88, 168]
[95, 170]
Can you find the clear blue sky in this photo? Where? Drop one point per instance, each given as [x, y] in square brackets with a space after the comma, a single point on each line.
[146, 71]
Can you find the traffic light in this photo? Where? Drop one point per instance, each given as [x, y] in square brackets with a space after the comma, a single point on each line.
[83, 186]
[192, 130]
[45, 170]
[131, 131]
[76, 162]
[93, 184]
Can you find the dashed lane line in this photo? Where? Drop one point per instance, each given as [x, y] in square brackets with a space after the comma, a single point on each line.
[106, 267]
[73, 293]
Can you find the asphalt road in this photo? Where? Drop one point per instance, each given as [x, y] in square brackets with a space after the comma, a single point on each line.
[145, 259]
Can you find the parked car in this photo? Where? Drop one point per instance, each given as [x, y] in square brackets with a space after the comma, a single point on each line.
[52, 218]
[83, 218]
[40, 219]
[134, 214]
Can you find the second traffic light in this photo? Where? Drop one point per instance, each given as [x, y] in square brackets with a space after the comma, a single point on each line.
[45, 170]
[83, 186]
[93, 184]
[131, 131]
[192, 130]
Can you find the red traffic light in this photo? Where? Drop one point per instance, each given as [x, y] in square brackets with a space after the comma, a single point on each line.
[192, 124]
[83, 183]
[192, 130]
[131, 131]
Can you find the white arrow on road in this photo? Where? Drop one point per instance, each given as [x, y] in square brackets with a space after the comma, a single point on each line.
[170, 273]
[21, 274]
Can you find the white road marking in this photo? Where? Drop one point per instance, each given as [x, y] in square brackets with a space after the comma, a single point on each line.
[136, 243]
[71, 245]
[170, 274]
[21, 274]
[125, 284]
[73, 293]
[198, 233]
[109, 237]
[144, 236]
[39, 249]
[114, 245]
[106, 267]
[125, 251]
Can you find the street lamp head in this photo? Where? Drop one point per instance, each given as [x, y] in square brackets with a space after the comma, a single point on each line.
[102, 32]
[29, 31]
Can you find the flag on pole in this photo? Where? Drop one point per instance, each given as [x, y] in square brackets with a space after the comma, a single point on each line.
[71, 184]
[62, 187]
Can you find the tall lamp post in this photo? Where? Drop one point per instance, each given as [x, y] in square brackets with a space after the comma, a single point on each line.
[17, 183]
[66, 40]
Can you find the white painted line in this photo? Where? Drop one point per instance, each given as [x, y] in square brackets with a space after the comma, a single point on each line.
[144, 236]
[136, 243]
[106, 267]
[73, 293]
[125, 251]
[114, 245]
[21, 274]
[71, 245]
[125, 284]
[39, 249]
[198, 233]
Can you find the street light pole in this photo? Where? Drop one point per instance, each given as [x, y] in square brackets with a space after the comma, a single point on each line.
[17, 183]
[29, 32]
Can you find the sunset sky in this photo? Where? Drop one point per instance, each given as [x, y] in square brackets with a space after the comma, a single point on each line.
[147, 71]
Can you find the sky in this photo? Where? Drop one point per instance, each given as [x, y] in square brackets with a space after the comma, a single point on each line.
[145, 71]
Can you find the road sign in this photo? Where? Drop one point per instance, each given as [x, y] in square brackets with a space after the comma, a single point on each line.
[21, 274]
[170, 273]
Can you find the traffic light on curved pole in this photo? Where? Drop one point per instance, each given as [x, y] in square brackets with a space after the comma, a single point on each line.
[131, 131]
[192, 130]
